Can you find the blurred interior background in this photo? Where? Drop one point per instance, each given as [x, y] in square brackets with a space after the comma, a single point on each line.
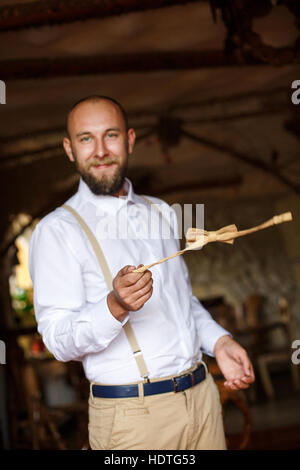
[208, 88]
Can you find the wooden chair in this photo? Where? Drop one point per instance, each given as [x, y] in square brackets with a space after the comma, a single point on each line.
[256, 338]
[280, 355]
[43, 421]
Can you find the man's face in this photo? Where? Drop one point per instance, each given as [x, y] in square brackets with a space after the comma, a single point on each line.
[99, 145]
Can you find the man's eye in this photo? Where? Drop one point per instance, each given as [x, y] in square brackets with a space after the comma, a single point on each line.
[112, 134]
[85, 139]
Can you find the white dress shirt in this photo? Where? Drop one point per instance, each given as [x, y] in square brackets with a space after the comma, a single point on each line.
[70, 293]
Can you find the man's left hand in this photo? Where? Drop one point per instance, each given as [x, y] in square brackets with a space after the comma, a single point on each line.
[234, 363]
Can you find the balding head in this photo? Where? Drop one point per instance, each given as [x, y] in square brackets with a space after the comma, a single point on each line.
[94, 99]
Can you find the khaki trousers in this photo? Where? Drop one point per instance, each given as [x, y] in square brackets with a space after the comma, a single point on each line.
[188, 420]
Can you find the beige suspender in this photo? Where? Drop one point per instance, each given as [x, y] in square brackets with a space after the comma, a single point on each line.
[108, 278]
[97, 249]
[155, 206]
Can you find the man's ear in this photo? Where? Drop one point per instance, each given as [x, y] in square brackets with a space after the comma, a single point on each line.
[68, 149]
[131, 136]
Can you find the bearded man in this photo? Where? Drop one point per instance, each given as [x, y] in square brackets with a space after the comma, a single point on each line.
[139, 336]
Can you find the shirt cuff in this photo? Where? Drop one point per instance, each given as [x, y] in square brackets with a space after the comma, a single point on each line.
[125, 320]
[104, 324]
[211, 338]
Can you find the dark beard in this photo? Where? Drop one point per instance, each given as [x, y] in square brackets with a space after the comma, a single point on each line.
[105, 186]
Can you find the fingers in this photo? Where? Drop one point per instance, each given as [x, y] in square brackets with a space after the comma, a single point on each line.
[143, 281]
[245, 377]
[132, 290]
[130, 279]
[142, 300]
[140, 282]
[248, 368]
[252, 375]
[245, 361]
[126, 270]
[239, 383]
[235, 365]
[230, 386]
[143, 290]
[236, 385]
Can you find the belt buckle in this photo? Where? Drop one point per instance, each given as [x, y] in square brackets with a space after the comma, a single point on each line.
[175, 384]
[193, 378]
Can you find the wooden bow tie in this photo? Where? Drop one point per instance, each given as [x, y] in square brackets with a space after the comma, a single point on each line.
[196, 238]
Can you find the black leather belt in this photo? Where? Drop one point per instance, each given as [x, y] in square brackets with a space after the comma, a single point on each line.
[176, 384]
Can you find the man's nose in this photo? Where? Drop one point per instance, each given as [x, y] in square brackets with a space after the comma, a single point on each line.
[100, 147]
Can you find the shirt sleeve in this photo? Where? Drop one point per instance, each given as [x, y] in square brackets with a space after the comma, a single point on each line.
[209, 331]
[70, 327]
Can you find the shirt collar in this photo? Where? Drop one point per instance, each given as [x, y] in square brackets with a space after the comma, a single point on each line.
[109, 203]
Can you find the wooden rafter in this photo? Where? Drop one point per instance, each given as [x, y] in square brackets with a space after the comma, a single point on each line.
[117, 63]
[29, 156]
[243, 157]
[238, 116]
[232, 181]
[146, 128]
[49, 12]
[231, 98]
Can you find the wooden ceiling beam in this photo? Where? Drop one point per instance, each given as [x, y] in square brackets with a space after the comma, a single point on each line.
[232, 181]
[243, 157]
[17, 69]
[50, 12]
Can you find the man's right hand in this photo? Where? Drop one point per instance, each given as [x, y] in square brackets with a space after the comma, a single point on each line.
[130, 291]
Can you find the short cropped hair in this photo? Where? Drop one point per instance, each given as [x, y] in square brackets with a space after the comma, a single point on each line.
[94, 98]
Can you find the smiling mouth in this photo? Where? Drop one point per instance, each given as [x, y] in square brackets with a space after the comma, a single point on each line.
[102, 165]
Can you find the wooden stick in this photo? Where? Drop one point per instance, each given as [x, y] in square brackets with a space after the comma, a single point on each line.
[196, 238]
